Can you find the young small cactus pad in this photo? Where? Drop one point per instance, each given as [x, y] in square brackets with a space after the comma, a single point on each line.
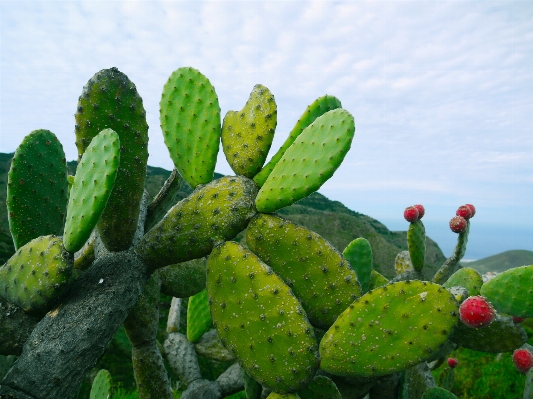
[36, 274]
[190, 121]
[198, 316]
[389, 329]
[511, 292]
[309, 162]
[476, 312]
[37, 188]
[416, 244]
[247, 134]
[318, 108]
[359, 254]
[110, 100]
[102, 387]
[91, 189]
[317, 273]
[259, 319]
[468, 278]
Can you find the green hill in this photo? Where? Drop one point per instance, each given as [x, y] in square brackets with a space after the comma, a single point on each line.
[502, 262]
[331, 219]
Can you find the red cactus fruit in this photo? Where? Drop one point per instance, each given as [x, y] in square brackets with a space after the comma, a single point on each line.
[476, 312]
[452, 362]
[421, 210]
[458, 224]
[410, 214]
[472, 209]
[464, 211]
[523, 360]
[517, 319]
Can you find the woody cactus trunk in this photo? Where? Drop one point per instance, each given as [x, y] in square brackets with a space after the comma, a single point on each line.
[300, 318]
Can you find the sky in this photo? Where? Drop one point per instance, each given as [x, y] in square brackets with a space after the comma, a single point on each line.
[441, 91]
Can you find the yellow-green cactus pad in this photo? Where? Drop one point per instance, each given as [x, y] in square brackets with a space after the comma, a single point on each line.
[359, 254]
[259, 320]
[247, 134]
[198, 316]
[309, 162]
[102, 387]
[91, 189]
[389, 329]
[467, 278]
[377, 280]
[511, 292]
[416, 244]
[318, 108]
[190, 120]
[317, 273]
[276, 395]
[212, 214]
[320, 388]
[36, 274]
[37, 188]
[502, 335]
[110, 101]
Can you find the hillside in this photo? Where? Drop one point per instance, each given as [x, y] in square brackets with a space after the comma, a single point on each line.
[331, 219]
[502, 262]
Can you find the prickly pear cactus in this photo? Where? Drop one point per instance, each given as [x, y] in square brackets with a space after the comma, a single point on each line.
[259, 319]
[359, 254]
[37, 188]
[467, 278]
[198, 316]
[110, 101]
[102, 387]
[247, 134]
[416, 243]
[190, 120]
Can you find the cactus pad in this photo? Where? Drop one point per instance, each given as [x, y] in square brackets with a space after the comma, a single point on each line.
[259, 319]
[198, 316]
[212, 214]
[92, 187]
[110, 100]
[309, 162]
[319, 107]
[377, 280]
[190, 120]
[416, 244]
[247, 134]
[359, 254]
[320, 388]
[36, 274]
[502, 335]
[511, 292]
[389, 329]
[438, 393]
[317, 273]
[37, 188]
[467, 278]
[102, 386]
[275, 395]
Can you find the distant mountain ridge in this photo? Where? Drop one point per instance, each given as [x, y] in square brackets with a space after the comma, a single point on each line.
[331, 219]
[502, 262]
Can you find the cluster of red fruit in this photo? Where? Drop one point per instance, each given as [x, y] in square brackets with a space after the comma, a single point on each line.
[463, 213]
[414, 213]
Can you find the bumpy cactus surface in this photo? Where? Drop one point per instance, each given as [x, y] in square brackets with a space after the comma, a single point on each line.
[298, 317]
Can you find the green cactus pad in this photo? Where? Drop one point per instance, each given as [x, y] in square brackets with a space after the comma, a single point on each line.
[416, 244]
[359, 254]
[275, 395]
[319, 107]
[511, 292]
[309, 162]
[402, 263]
[259, 319]
[320, 388]
[37, 188]
[389, 329]
[212, 214]
[247, 134]
[198, 316]
[183, 280]
[102, 386]
[92, 187]
[317, 273]
[252, 388]
[190, 119]
[36, 274]
[110, 101]
[438, 393]
[467, 278]
[377, 280]
[502, 335]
